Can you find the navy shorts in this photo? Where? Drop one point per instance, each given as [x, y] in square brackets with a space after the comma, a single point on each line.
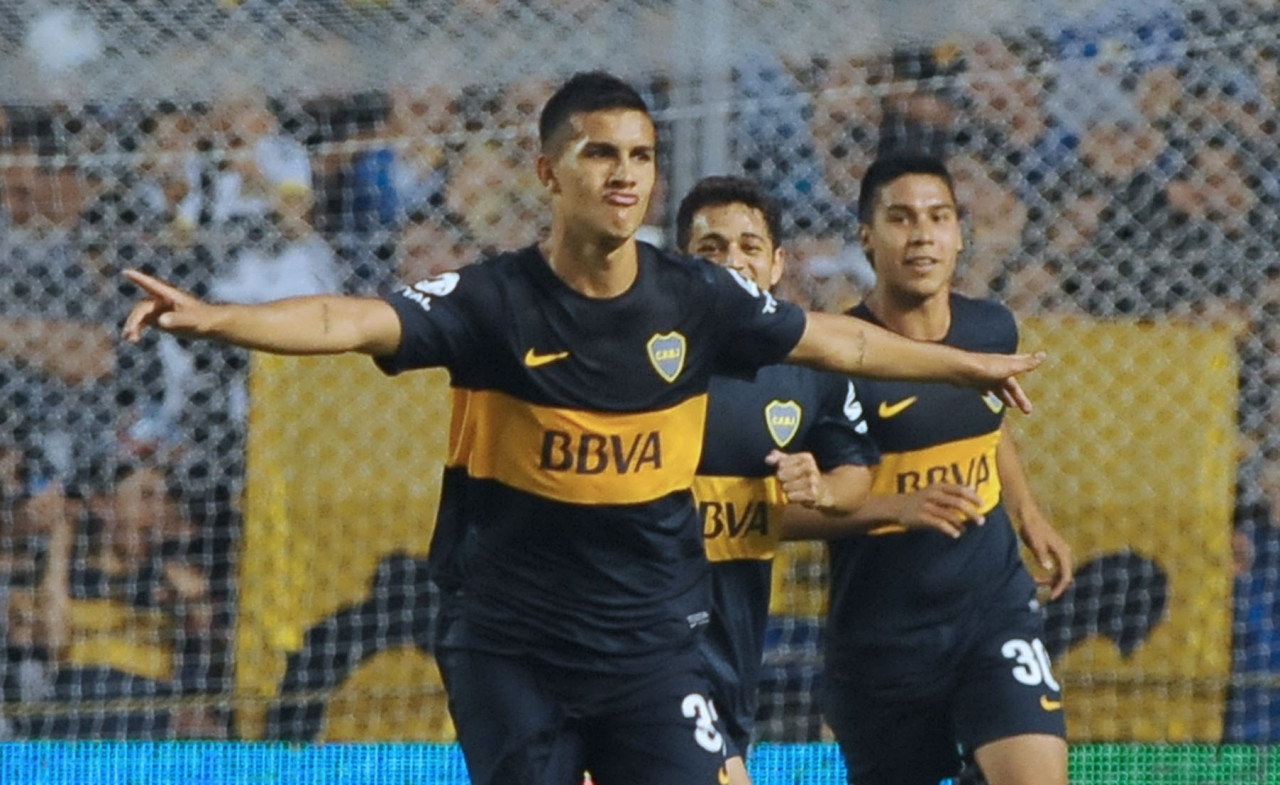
[521, 721]
[905, 712]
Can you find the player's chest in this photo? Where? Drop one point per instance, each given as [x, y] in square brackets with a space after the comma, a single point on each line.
[625, 357]
[903, 415]
[751, 418]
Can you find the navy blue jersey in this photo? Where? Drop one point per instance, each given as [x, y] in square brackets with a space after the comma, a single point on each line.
[786, 407]
[566, 527]
[891, 580]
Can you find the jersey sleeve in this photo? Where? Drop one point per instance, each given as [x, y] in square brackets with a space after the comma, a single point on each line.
[1000, 325]
[1011, 331]
[755, 329]
[840, 436]
[441, 320]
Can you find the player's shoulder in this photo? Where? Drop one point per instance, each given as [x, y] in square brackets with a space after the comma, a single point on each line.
[504, 264]
[673, 264]
[985, 314]
[979, 308]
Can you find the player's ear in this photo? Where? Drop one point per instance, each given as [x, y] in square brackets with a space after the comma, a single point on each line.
[546, 173]
[779, 266]
[864, 239]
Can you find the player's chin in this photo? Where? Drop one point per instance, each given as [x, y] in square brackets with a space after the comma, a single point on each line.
[622, 227]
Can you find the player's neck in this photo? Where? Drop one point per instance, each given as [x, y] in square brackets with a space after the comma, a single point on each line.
[920, 318]
[593, 267]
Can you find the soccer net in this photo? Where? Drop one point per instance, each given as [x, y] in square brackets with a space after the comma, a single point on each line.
[200, 543]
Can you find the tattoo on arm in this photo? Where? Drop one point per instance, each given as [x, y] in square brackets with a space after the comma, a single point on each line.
[861, 356]
[324, 317]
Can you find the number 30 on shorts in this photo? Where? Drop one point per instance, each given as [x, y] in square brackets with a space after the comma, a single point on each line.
[1033, 662]
[704, 716]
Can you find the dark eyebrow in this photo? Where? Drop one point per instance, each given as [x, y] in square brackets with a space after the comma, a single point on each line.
[899, 206]
[711, 236]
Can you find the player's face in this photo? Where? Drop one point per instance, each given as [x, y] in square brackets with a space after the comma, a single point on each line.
[602, 177]
[737, 236]
[914, 236]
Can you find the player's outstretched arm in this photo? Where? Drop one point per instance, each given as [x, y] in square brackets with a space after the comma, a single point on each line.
[846, 344]
[943, 507]
[297, 325]
[824, 505]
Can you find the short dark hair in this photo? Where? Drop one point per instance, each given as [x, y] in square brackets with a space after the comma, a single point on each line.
[720, 190]
[586, 91]
[889, 168]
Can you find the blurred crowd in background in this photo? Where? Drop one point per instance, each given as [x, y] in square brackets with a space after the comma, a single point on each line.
[1127, 173]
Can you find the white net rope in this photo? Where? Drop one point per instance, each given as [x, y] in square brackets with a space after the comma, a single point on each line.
[1116, 164]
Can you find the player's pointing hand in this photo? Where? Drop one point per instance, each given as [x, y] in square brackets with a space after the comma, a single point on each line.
[998, 372]
[165, 306]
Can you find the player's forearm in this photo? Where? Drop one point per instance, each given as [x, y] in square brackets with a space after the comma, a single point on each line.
[1015, 488]
[803, 523]
[306, 325]
[853, 346]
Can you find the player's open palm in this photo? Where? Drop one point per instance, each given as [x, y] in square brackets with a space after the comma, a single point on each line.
[945, 507]
[165, 306]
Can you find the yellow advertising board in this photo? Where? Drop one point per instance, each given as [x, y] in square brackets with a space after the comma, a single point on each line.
[1132, 453]
[343, 469]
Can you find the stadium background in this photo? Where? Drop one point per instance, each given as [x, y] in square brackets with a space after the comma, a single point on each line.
[199, 544]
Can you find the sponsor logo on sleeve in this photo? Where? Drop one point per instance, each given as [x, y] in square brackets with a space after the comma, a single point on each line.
[437, 286]
[770, 303]
[853, 409]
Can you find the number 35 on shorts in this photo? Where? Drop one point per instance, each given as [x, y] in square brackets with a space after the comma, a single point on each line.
[704, 716]
[1031, 662]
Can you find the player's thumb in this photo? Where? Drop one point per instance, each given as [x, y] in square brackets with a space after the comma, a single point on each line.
[774, 457]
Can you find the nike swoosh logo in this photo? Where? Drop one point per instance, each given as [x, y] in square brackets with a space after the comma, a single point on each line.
[1048, 704]
[722, 776]
[888, 410]
[535, 360]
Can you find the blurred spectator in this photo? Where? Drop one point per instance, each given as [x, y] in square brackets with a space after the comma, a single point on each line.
[1253, 700]
[846, 119]
[291, 259]
[775, 143]
[118, 608]
[428, 248]
[996, 219]
[263, 168]
[495, 194]
[1002, 94]
[56, 349]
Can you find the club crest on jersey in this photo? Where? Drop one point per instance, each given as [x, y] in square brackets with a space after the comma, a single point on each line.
[782, 418]
[667, 352]
[993, 402]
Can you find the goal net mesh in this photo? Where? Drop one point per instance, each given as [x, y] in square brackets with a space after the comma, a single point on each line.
[197, 542]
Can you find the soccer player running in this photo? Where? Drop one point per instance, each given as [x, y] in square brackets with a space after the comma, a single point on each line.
[933, 643]
[745, 479]
[786, 456]
[567, 548]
